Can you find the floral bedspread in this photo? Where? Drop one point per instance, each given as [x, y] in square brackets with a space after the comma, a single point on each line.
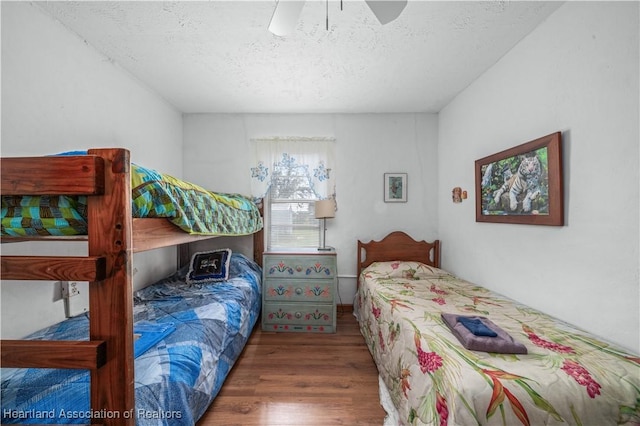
[567, 377]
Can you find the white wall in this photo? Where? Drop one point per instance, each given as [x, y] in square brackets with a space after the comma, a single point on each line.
[59, 94]
[576, 73]
[217, 156]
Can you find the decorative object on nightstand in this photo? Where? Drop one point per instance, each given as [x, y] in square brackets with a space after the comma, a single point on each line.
[325, 209]
[299, 291]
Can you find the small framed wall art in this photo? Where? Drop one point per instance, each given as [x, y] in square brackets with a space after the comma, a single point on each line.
[522, 184]
[395, 187]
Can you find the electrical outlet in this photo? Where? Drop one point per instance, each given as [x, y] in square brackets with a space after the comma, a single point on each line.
[74, 302]
[69, 289]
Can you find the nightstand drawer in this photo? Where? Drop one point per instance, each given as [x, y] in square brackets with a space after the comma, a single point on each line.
[290, 290]
[298, 317]
[306, 267]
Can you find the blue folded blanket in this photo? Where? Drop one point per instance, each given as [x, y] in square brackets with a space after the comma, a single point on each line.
[502, 342]
[148, 335]
[477, 327]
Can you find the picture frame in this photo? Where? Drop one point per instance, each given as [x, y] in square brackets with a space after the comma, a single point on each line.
[523, 184]
[395, 187]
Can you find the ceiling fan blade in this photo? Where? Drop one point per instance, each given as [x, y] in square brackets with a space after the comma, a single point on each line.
[285, 16]
[386, 10]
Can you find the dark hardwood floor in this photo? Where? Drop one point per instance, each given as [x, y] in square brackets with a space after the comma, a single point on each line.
[301, 379]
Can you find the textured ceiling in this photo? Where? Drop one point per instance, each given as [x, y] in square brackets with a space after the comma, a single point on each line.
[218, 56]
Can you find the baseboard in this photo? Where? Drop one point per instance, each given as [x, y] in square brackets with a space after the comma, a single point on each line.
[345, 308]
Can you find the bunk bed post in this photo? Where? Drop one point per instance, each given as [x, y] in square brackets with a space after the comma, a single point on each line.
[111, 300]
[258, 237]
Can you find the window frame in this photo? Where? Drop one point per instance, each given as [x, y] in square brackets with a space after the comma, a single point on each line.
[300, 157]
[313, 226]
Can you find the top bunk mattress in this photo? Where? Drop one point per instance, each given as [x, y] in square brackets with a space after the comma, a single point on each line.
[190, 207]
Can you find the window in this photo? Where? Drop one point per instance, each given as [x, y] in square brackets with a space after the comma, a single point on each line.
[291, 221]
[291, 174]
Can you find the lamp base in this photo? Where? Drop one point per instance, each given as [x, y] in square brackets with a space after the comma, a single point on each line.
[324, 246]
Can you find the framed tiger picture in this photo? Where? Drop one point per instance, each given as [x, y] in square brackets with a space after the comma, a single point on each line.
[522, 184]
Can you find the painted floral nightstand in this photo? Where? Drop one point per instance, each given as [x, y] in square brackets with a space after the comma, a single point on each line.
[298, 291]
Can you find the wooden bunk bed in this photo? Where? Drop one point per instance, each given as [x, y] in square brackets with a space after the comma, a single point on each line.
[103, 175]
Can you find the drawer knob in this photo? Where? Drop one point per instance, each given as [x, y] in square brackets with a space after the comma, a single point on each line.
[298, 291]
[298, 315]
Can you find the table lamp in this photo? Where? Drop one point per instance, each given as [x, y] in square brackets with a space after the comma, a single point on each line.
[325, 209]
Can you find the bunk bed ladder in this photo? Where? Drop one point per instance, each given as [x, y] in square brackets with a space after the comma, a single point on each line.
[104, 176]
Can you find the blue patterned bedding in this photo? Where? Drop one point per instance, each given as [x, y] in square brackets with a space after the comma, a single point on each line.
[176, 379]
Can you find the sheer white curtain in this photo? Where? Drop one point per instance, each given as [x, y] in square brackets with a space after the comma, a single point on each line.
[312, 157]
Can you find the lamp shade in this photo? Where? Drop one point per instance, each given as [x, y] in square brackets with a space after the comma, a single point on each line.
[325, 208]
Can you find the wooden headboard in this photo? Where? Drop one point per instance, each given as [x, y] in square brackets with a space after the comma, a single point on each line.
[398, 246]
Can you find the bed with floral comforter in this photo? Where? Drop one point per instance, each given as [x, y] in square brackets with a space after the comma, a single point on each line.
[567, 377]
